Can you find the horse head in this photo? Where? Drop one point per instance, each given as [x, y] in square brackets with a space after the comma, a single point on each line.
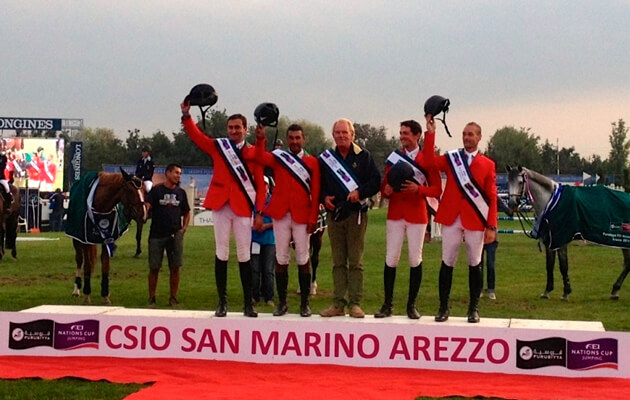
[537, 188]
[516, 187]
[132, 197]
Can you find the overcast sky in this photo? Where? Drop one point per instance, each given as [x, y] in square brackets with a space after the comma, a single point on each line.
[561, 68]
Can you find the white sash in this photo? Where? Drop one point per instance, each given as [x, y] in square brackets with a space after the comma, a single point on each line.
[339, 170]
[238, 169]
[467, 185]
[295, 166]
[419, 175]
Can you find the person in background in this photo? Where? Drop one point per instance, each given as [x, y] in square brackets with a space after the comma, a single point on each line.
[145, 168]
[57, 210]
[4, 181]
[489, 258]
[489, 254]
[264, 257]
[316, 246]
[171, 216]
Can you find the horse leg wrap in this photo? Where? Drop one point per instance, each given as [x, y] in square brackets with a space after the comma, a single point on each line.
[105, 285]
[87, 285]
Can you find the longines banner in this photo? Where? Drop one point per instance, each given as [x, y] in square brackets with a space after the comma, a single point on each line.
[30, 123]
[396, 342]
[76, 161]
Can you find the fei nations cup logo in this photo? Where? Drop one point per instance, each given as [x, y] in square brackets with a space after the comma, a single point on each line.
[581, 356]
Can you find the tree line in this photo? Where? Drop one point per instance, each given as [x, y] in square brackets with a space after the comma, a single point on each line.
[520, 146]
[507, 145]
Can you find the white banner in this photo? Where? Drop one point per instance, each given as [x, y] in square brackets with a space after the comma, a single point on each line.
[554, 348]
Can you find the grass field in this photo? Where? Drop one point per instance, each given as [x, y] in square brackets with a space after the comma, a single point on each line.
[44, 273]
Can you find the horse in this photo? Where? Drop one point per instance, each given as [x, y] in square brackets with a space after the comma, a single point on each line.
[112, 190]
[540, 190]
[9, 223]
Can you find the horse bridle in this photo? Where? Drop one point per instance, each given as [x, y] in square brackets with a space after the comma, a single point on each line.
[137, 185]
[524, 183]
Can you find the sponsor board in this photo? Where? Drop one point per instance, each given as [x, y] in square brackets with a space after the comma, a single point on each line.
[48, 333]
[492, 346]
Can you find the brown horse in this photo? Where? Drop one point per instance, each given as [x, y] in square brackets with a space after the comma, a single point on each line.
[112, 189]
[9, 223]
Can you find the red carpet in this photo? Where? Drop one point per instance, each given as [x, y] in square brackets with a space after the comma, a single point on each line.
[196, 379]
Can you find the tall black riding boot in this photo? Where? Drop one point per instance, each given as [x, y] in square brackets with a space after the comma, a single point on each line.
[304, 277]
[220, 275]
[389, 278]
[475, 279]
[415, 279]
[282, 282]
[446, 280]
[245, 270]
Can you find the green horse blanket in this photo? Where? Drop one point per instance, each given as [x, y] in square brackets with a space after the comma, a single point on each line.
[88, 226]
[596, 214]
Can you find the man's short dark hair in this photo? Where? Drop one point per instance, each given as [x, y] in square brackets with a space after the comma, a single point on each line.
[172, 166]
[239, 116]
[295, 128]
[415, 127]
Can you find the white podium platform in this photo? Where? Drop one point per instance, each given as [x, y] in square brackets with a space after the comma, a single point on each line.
[513, 346]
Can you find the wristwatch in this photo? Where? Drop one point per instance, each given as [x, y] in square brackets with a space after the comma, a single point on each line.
[492, 228]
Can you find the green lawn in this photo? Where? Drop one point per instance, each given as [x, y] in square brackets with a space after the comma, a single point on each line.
[44, 274]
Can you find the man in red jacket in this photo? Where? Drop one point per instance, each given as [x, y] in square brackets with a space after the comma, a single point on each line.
[407, 214]
[294, 207]
[468, 212]
[236, 191]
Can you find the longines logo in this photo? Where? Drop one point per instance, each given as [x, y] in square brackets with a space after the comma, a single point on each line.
[30, 123]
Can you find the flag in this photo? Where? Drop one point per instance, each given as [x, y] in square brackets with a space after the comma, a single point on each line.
[596, 178]
[585, 176]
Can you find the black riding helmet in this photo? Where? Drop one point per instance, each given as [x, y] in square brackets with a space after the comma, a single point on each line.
[435, 105]
[267, 114]
[398, 174]
[202, 95]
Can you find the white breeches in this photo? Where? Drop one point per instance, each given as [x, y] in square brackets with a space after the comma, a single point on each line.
[225, 221]
[396, 231]
[284, 230]
[452, 237]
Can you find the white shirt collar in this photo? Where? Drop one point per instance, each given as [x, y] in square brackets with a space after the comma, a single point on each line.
[474, 153]
[413, 153]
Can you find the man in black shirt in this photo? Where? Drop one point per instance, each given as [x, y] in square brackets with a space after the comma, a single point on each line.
[171, 215]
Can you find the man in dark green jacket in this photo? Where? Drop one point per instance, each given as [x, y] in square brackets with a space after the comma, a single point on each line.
[349, 179]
